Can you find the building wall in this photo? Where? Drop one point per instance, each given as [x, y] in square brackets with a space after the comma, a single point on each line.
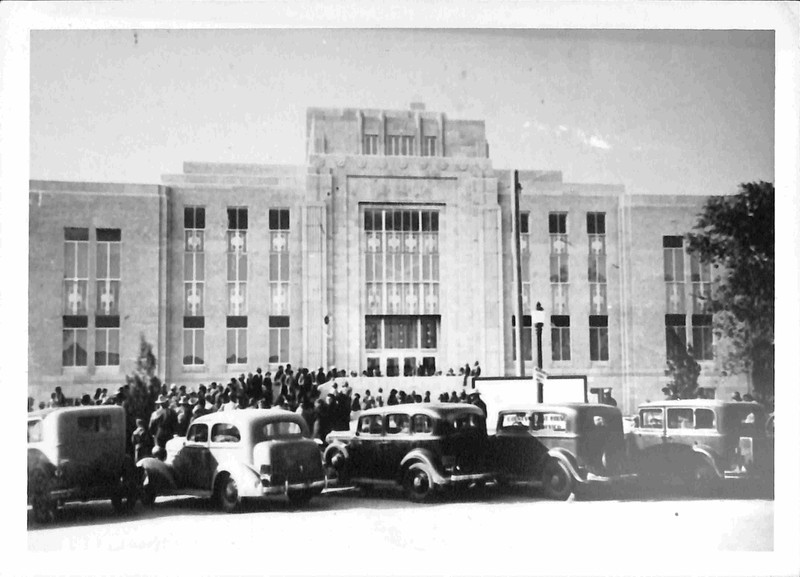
[139, 211]
[326, 198]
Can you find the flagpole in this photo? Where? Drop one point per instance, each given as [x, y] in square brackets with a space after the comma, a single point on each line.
[518, 325]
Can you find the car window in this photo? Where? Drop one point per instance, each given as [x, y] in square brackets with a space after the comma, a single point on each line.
[517, 420]
[651, 418]
[423, 424]
[281, 429]
[35, 431]
[556, 422]
[225, 433]
[704, 419]
[371, 424]
[398, 424]
[94, 424]
[747, 419]
[198, 433]
[466, 421]
[680, 418]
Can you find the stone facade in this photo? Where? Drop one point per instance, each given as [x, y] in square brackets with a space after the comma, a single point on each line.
[362, 162]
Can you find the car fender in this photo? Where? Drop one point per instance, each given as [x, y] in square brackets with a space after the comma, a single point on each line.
[248, 480]
[568, 460]
[709, 455]
[424, 456]
[158, 474]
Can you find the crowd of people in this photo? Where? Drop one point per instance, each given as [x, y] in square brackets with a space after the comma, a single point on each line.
[325, 409]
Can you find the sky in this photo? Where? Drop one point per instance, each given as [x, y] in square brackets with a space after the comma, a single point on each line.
[658, 111]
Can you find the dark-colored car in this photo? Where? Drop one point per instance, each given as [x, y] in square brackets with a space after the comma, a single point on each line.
[231, 455]
[421, 447]
[78, 454]
[699, 442]
[558, 446]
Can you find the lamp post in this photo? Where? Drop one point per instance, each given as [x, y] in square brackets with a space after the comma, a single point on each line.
[538, 322]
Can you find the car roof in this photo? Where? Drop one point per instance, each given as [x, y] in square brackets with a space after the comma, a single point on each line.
[247, 416]
[431, 409]
[79, 409]
[529, 407]
[697, 403]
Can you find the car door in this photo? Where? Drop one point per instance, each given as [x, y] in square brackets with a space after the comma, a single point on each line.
[395, 445]
[649, 436]
[365, 445]
[512, 442]
[192, 463]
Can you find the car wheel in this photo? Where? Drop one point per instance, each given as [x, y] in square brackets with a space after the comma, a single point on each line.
[418, 483]
[557, 481]
[299, 497]
[704, 480]
[44, 506]
[228, 494]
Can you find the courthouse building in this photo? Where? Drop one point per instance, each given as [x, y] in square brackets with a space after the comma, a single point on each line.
[390, 249]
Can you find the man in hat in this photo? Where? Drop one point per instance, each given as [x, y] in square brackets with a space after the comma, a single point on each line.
[475, 399]
[184, 416]
[162, 426]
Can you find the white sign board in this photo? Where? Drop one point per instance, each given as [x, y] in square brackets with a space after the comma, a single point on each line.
[564, 390]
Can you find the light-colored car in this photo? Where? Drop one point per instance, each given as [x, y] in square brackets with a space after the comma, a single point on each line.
[231, 455]
[78, 454]
[700, 442]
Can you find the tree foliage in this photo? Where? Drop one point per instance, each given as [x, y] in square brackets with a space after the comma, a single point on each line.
[143, 385]
[737, 235]
[684, 372]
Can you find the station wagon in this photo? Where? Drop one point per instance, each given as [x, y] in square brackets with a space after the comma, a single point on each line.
[699, 442]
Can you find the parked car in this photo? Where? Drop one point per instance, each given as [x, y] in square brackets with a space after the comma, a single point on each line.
[699, 442]
[420, 447]
[231, 455]
[559, 446]
[78, 454]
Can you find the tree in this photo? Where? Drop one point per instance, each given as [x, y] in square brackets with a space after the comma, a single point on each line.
[143, 387]
[736, 234]
[684, 371]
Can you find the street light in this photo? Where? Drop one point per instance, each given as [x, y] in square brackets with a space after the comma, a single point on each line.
[538, 322]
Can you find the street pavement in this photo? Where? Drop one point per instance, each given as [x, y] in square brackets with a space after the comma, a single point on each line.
[351, 531]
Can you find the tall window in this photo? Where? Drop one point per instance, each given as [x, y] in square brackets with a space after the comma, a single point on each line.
[598, 287]
[559, 262]
[278, 339]
[401, 259]
[525, 259]
[673, 274]
[675, 326]
[194, 224]
[429, 146]
[598, 337]
[702, 338]
[74, 303]
[370, 144]
[559, 337]
[236, 323]
[279, 228]
[701, 285]
[108, 294]
[527, 338]
[399, 145]
[279, 261]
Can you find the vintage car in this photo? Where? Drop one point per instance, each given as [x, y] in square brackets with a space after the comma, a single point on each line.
[231, 455]
[699, 442]
[559, 446]
[420, 447]
[78, 454]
